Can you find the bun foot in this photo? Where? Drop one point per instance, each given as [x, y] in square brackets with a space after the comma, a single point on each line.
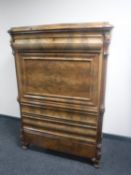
[25, 147]
[96, 163]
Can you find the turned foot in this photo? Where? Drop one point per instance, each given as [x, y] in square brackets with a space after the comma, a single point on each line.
[25, 146]
[96, 163]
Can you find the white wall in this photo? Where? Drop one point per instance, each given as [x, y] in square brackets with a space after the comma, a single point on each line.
[33, 12]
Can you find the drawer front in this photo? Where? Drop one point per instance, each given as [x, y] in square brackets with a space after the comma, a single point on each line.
[68, 79]
[52, 142]
[80, 127]
[61, 115]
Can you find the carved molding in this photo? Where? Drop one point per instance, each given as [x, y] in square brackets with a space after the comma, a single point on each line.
[59, 43]
[107, 38]
[87, 111]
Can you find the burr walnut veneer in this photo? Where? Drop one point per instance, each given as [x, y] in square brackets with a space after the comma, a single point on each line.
[61, 82]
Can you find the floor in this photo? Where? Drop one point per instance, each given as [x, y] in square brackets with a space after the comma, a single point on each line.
[116, 159]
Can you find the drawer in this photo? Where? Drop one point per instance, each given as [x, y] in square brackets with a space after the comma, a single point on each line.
[60, 129]
[67, 125]
[52, 142]
[61, 115]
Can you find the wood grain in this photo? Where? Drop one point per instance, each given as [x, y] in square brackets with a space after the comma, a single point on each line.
[61, 75]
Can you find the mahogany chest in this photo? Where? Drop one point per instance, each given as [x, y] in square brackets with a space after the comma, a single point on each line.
[61, 71]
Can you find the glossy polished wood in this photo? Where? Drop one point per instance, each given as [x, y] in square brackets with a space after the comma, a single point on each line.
[61, 71]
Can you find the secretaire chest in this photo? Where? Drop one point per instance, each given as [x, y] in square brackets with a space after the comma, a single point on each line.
[61, 72]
